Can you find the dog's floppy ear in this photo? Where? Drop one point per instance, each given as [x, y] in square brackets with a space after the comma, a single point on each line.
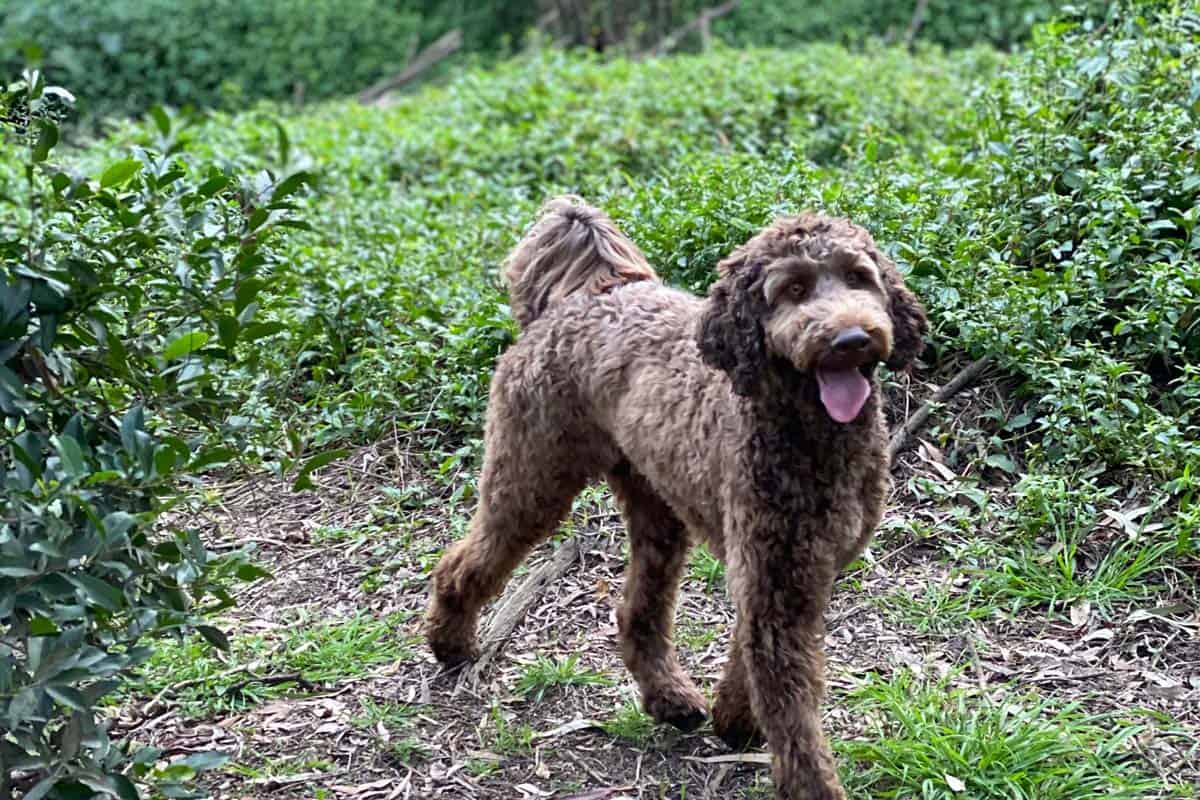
[908, 317]
[731, 336]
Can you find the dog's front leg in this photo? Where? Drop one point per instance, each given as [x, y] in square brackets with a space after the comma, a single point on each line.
[780, 579]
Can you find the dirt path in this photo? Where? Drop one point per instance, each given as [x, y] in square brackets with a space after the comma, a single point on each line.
[376, 718]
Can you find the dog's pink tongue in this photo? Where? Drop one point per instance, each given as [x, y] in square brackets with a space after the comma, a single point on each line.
[843, 392]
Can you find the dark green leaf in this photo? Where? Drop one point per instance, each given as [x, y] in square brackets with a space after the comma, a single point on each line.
[133, 422]
[69, 697]
[161, 120]
[100, 592]
[210, 759]
[214, 636]
[316, 462]
[259, 330]
[70, 454]
[41, 788]
[251, 572]
[47, 139]
[290, 185]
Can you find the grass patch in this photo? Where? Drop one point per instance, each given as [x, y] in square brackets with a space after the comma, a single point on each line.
[695, 635]
[504, 736]
[283, 767]
[706, 568]
[544, 674]
[929, 741]
[940, 608]
[210, 682]
[632, 724]
[393, 716]
[1054, 579]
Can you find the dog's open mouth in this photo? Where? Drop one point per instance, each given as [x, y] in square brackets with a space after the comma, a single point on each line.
[844, 389]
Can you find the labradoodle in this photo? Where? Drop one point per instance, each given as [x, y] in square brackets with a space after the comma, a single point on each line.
[750, 420]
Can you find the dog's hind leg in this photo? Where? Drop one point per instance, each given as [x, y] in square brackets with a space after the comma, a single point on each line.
[658, 546]
[526, 488]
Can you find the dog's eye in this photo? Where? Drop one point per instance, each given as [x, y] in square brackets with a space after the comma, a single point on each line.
[797, 290]
[860, 277]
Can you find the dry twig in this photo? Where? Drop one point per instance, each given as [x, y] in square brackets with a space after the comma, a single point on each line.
[515, 605]
[921, 415]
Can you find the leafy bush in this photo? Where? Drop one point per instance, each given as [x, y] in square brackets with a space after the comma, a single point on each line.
[122, 299]
[783, 23]
[393, 313]
[121, 57]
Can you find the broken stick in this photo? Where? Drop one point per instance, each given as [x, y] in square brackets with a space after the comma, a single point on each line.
[515, 606]
[921, 415]
[444, 47]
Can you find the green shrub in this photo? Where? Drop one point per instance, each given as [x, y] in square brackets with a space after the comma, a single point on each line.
[950, 23]
[126, 296]
[123, 56]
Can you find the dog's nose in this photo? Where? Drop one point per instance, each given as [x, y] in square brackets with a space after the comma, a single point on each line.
[851, 339]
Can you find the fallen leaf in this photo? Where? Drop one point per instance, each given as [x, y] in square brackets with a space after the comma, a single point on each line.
[954, 783]
[1100, 633]
[1080, 613]
[568, 727]
[362, 788]
[736, 758]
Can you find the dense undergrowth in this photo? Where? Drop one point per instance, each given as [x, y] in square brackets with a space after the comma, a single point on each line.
[123, 56]
[1044, 205]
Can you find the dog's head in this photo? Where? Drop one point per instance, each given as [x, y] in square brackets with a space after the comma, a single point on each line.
[817, 295]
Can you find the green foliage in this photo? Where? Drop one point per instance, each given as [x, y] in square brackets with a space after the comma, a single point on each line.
[504, 738]
[123, 56]
[931, 741]
[125, 292]
[314, 652]
[392, 313]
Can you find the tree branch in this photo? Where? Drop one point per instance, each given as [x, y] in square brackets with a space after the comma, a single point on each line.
[444, 47]
[701, 21]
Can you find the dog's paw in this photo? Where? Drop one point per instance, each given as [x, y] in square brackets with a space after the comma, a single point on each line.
[453, 653]
[737, 728]
[452, 643]
[683, 707]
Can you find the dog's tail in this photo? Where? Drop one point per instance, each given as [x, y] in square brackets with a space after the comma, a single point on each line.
[572, 247]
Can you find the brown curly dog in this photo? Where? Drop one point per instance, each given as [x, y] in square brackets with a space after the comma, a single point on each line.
[750, 420]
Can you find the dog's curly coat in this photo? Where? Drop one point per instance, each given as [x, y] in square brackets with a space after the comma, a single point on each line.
[750, 420]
